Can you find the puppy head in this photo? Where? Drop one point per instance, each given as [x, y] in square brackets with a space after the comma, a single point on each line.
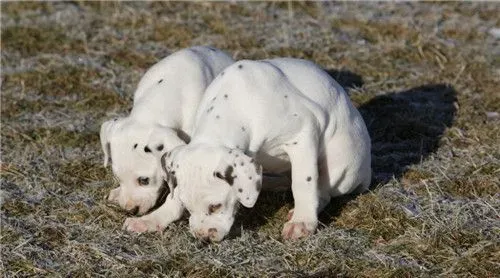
[135, 151]
[211, 181]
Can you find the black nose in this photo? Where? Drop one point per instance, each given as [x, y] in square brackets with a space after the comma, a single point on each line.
[134, 211]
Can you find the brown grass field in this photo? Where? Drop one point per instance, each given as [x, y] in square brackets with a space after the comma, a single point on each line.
[426, 77]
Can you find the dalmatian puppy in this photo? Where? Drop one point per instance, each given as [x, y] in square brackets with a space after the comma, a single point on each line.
[276, 115]
[162, 118]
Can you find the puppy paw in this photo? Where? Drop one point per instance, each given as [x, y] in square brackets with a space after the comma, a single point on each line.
[140, 225]
[296, 230]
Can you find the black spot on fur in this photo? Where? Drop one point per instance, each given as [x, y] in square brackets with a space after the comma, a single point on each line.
[308, 178]
[295, 143]
[163, 161]
[177, 166]
[225, 96]
[161, 80]
[217, 117]
[228, 175]
[147, 149]
[286, 96]
[252, 160]
[135, 146]
[159, 147]
[240, 190]
[214, 98]
[295, 114]
[173, 179]
[234, 164]
[134, 211]
[230, 151]
[240, 66]
[210, 109]
[218, 175]
[213, 208]
[242, 128]
[250, 177]
[242, 163]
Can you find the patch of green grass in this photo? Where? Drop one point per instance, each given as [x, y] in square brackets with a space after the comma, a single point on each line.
[376, 32]
[376, 217]
[55, 84]
[31, 41]
[76, 174]
[462, 252]
[51, 136]
[309, 7]
[172, 35]
[18, 208]
[13, 108]
[471, 187]
[412, 176]
[51, 237]
[128, 58]
[8, 235]
[17, 9]
[216, 24]
[24, 267]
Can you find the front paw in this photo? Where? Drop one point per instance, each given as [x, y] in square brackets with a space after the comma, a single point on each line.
[296, 230]
[141, 225]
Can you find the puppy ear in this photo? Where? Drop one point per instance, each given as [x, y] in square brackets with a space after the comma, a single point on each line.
[244, 175]
[107, 130]
[161, 140]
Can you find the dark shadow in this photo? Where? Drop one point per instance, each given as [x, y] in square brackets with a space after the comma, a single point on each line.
[405, 128]
[345, 78]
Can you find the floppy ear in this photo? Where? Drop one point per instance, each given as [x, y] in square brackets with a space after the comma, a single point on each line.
[107, 130]
[161, 140]
[243, 174]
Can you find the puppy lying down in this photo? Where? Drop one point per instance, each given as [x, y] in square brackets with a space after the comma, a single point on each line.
[162, 118]
[276, 115]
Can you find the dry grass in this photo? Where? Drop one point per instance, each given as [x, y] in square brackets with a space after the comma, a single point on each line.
[424, 76]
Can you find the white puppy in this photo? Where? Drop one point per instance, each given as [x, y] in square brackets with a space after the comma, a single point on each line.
[276, 114]
[162, 118]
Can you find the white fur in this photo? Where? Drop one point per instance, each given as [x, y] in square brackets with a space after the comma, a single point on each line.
[276, 114]
[162, 118]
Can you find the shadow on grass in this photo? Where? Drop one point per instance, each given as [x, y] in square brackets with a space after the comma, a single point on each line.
[345, 78]
[405, 128]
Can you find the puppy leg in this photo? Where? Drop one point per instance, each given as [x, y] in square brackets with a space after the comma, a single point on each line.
[157, 220]
[304, 159]
[113, 195]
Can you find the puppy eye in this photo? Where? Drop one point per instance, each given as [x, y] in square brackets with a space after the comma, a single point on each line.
[214, 208]
[143, 180]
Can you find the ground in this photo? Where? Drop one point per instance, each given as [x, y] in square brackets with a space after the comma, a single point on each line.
[426, 77]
